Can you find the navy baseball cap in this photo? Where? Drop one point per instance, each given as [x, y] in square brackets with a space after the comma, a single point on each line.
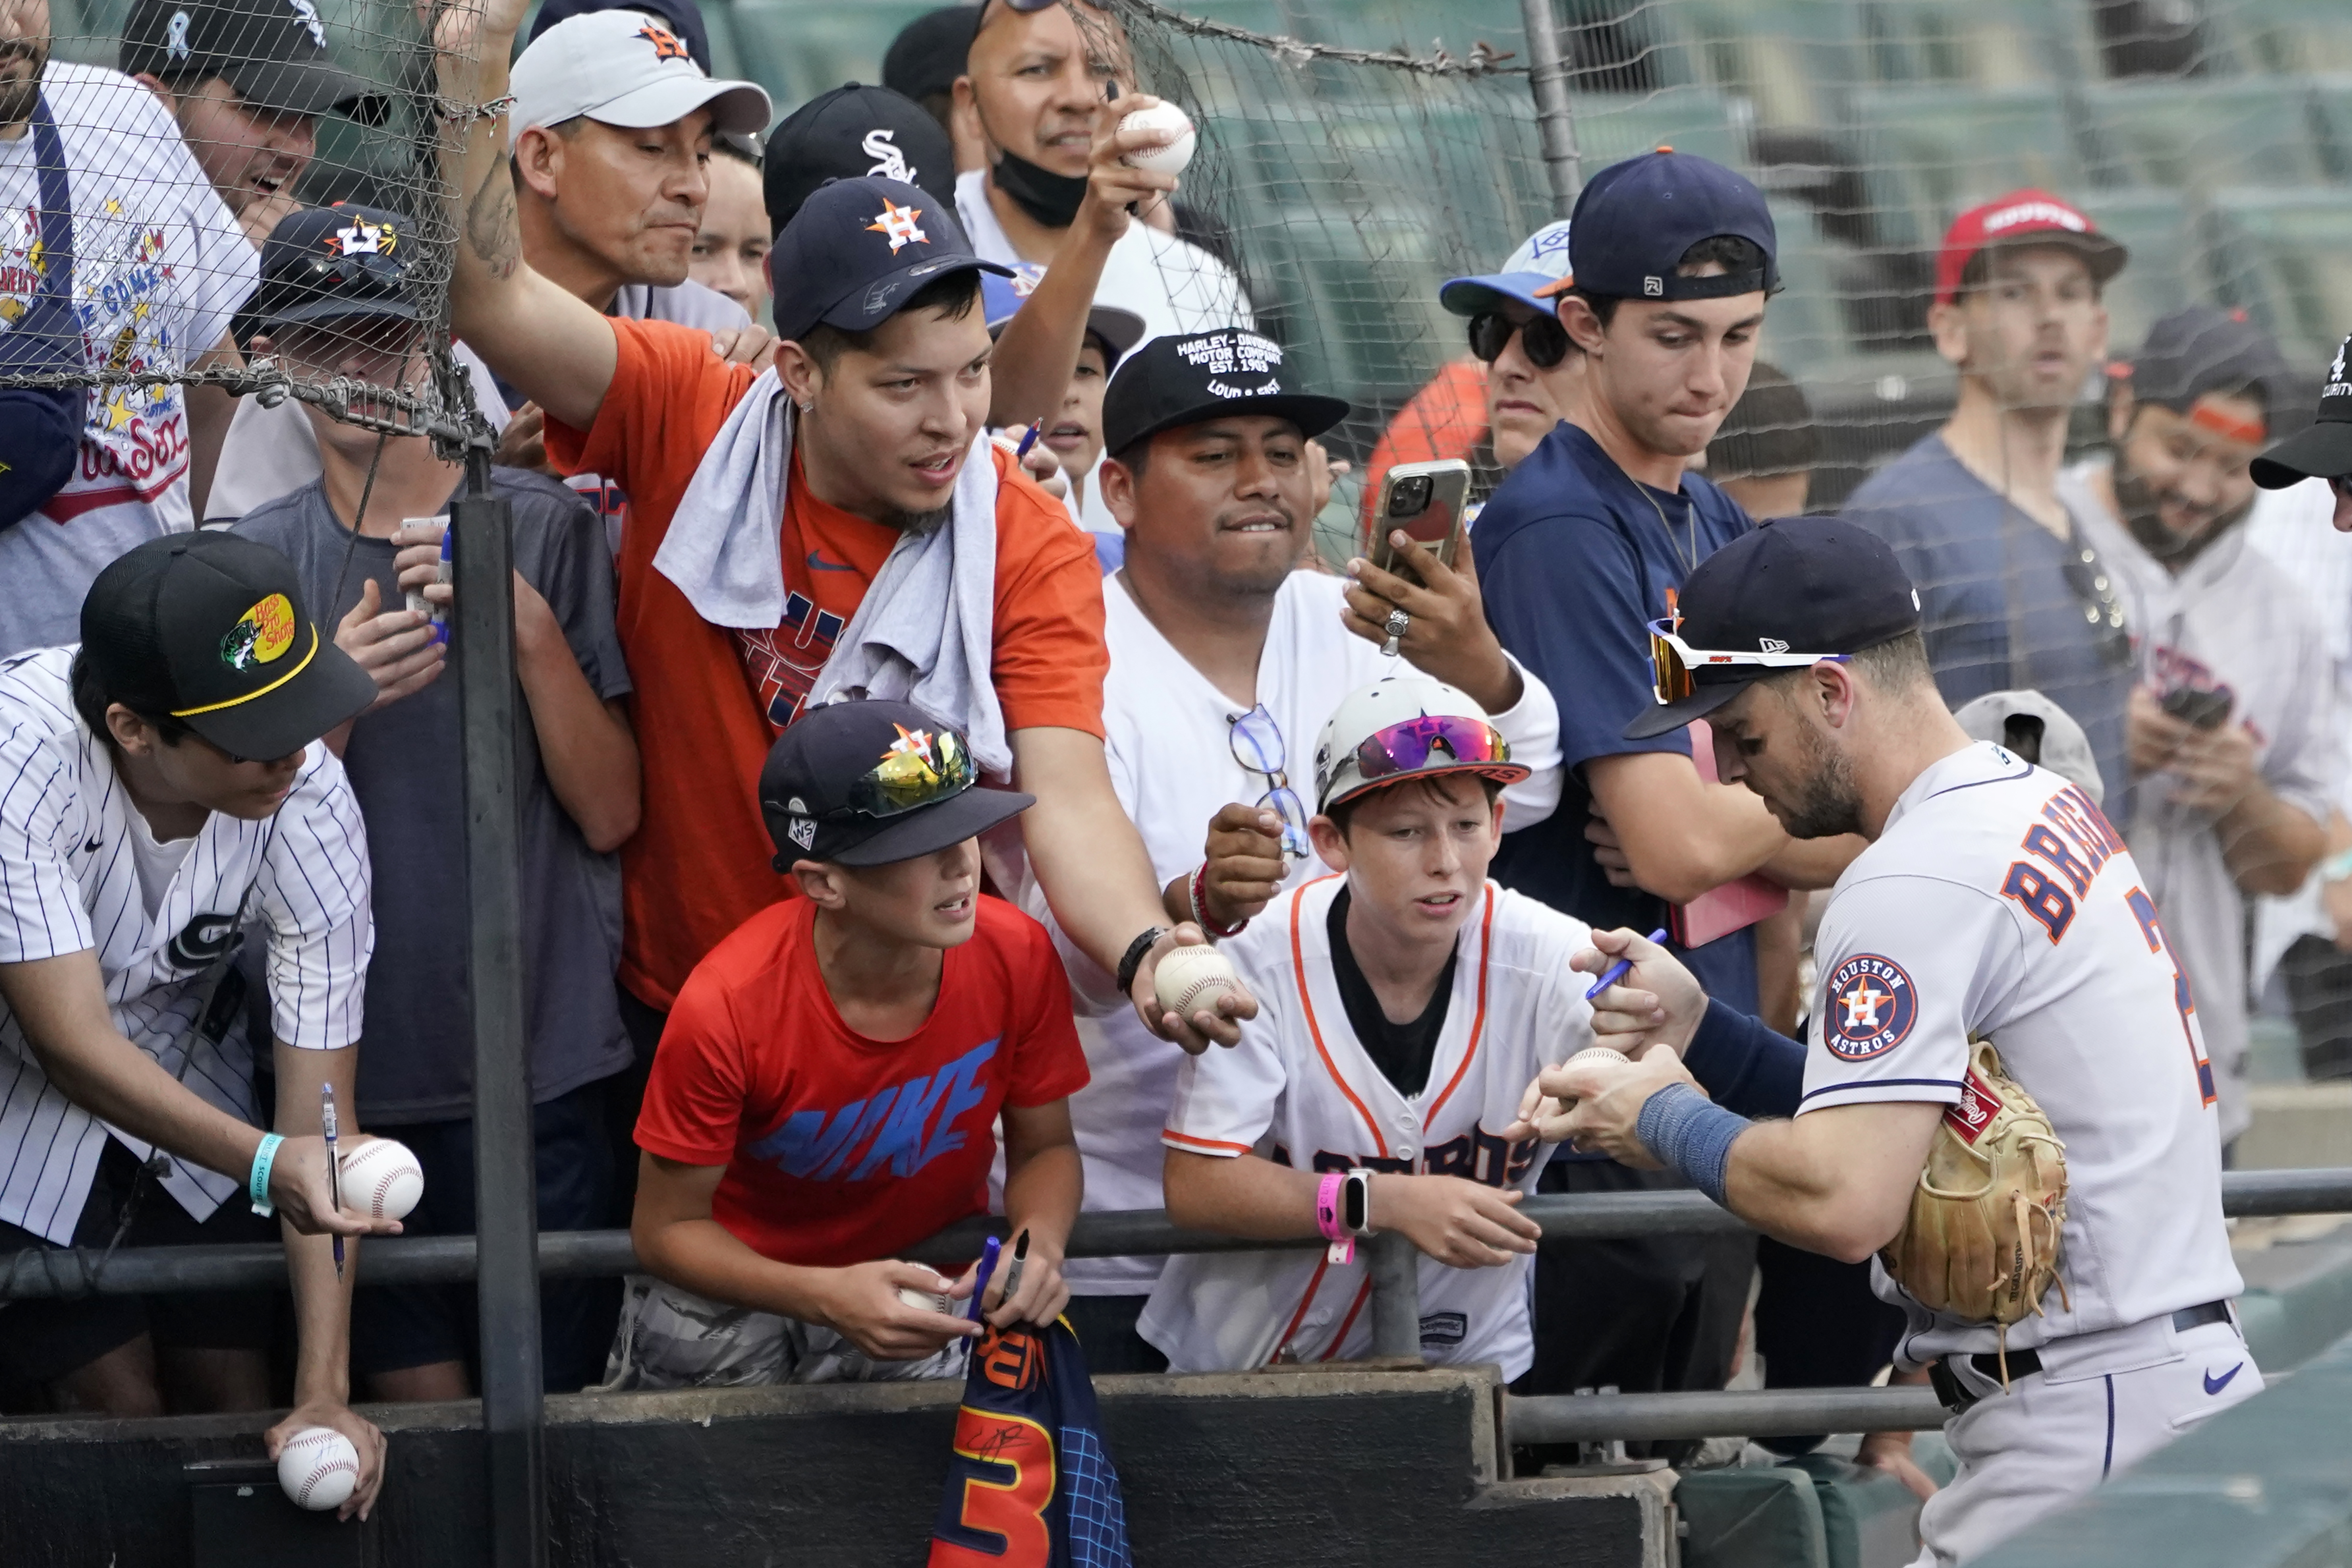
[850, 131]
[684, 17]
[866, 783]
[1186, 380]
[335, 263]
[1779, 597]
[859, 249]
[273, 52]
[1633, 223]
[930, 52]
[2324, 449]
[213, 629]
[2203, 349]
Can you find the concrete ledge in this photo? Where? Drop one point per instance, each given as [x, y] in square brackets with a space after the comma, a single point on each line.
[1343, 1464]
[2297, 1125]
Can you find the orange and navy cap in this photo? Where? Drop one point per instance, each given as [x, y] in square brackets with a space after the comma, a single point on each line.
[212, 629]
[2022, 216]
[866, 784]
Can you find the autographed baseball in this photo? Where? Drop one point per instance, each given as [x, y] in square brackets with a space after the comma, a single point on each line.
[1171, 158]
[923, 1301]
[318, 1467]
[382, 1179]
[1191, 979]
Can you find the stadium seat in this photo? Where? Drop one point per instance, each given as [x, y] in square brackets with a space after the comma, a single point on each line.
[2167, 270]
[1992, 44]
[2208, 135]
[2331, 109]
[1610, 126]
[799, 49]
[1804, 328]
[1936, 150]
[2280, 254]
[2287, 35]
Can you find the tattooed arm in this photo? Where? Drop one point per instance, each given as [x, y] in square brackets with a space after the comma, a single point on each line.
[557, 349]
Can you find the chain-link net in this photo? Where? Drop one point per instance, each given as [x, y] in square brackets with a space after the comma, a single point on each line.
[189, 134]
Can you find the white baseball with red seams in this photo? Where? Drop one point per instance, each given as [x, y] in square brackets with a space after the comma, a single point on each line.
[318, 1468]
[1172, 156]
[382, 1179]
[1189, 980]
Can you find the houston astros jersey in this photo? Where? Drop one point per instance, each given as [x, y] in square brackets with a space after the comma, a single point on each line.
[70, 883]
[1999, 904]
[2233, 624]
[1300, 1090]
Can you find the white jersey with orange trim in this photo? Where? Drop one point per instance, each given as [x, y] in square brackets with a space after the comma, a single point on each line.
[2001, 904]
[1300, 1090]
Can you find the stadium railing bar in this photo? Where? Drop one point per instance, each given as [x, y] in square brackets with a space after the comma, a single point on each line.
[1552, 1419]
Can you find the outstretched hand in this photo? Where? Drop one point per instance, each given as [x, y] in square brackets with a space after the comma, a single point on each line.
[1594, 1104]
[1658, 1002]
[1446, 636]
[1221, 1026]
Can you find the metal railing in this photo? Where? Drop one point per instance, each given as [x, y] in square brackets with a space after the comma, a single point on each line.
[42, 1272]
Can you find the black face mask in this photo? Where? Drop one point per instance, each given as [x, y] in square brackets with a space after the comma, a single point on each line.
[1048, 198]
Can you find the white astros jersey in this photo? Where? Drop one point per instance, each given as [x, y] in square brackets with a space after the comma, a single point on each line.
[1299, 1090]
[69, 882]
[2001, 904]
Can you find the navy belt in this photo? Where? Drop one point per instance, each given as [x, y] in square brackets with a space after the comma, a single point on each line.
[1957, 1396]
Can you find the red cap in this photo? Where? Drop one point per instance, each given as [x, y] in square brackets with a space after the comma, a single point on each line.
[2015, 216]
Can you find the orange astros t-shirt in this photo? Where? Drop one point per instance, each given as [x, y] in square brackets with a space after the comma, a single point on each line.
[698, 865]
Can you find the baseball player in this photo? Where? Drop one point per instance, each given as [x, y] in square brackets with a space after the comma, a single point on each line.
[164, 787]
[1996, 911]
[1402, 1004]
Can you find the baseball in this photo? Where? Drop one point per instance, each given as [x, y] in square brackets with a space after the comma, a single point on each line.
[318, 1467]
[1590, 1052]
[1171, 158]
[928, 1301]
[382, 1179]
[1191, 979]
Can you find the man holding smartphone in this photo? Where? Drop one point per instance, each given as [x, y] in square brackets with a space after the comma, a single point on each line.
[1226, 664]
[2232, 726]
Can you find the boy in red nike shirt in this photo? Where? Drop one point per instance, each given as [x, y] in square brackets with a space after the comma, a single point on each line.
[828, 1087]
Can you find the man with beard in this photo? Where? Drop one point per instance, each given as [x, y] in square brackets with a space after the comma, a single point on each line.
[1226, 664]
[2013, 597]
[838, 525]
[1994, 909]
[2232, 722]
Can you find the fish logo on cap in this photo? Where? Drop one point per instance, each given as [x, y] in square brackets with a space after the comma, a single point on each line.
[262, 634]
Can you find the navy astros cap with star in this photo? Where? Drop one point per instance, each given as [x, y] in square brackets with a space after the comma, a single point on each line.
[866, 784]
[213, 629]
[859, 249]
[2323, 450]
[1186, 379]
[1779, 597]
[1633, 222]
[336, 263]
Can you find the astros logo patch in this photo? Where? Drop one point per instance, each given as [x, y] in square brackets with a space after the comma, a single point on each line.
[262, 634]
[896, 224]
[665, 42]
[1870, 1007]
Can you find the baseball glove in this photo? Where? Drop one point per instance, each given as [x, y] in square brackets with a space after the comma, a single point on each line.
[1981, 1239]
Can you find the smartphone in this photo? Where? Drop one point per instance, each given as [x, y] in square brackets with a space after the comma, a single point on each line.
[1426, 501]
[2197, 709]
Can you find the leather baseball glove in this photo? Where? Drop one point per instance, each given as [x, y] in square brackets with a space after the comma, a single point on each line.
[1981, 1240]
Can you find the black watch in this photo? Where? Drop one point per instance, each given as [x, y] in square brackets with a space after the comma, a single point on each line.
[1132, 959]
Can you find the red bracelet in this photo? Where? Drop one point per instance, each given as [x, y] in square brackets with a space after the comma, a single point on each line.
[1201, 906]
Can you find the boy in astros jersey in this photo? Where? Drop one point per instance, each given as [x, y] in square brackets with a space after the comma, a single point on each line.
[1400, 1003]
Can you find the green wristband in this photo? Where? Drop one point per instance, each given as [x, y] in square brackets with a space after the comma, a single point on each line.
[256, 1184]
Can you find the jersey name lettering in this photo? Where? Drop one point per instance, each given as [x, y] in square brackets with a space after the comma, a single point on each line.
[1476, 1156]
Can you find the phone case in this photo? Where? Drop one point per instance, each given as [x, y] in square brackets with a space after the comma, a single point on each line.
[1734, 906]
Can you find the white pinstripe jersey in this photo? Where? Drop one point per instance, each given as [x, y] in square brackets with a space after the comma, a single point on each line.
[1299, 1089]
[69, 883]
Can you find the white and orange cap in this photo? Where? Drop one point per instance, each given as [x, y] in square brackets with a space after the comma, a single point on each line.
[625, 69]
[1407, 726]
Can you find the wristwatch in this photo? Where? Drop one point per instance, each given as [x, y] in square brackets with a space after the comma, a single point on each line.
[1132, 959]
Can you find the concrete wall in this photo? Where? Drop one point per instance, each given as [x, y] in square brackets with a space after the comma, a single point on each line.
[1277, 1467]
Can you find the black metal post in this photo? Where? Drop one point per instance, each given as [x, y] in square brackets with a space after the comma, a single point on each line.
[1555, 116]
[506, 1197]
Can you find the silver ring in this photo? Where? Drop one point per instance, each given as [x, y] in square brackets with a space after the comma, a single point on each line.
[1397, 625]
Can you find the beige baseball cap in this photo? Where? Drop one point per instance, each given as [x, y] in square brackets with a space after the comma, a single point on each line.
[625, 68]
[2020, 719]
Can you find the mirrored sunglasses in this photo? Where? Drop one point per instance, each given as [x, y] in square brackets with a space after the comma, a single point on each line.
[1405, 747]
[1672, 660]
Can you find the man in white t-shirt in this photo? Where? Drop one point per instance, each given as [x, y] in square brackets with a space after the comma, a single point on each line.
[1033, 91]
[1375, 1090]
[2232, 725]
[1995, 910]
[1224, 662]
[159, 267]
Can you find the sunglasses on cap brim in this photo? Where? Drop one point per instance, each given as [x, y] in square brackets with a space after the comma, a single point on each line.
[1405, 747]
[1541, 338]
[1673, 662]
[907, 781]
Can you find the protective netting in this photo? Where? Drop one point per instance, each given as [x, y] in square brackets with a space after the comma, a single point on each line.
[173, 193]
[2213, 137]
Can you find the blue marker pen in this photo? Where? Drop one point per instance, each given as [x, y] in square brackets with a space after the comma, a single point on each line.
[987, 1256]
[335, 1165]
[1618, 970]
[1028, 440]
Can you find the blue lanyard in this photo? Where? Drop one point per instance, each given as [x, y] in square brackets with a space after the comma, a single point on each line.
[48, 336]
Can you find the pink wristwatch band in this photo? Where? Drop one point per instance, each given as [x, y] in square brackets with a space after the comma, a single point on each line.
[1328, 1220]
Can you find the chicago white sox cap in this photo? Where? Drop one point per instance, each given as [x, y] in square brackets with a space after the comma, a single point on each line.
[625, 68]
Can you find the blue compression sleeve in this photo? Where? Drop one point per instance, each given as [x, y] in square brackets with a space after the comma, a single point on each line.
[1748, 1066]
[1690, 1132]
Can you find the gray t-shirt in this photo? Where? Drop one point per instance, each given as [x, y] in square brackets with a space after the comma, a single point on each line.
[417, 1057]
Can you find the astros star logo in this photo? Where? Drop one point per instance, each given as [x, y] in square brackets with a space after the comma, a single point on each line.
[916, 743]
[364, 239]
[1869, 1007]
[665, 42]
[898, 224]
[1862, 1005]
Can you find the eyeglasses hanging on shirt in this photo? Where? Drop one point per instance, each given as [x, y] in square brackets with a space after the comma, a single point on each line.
[1259, 747]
